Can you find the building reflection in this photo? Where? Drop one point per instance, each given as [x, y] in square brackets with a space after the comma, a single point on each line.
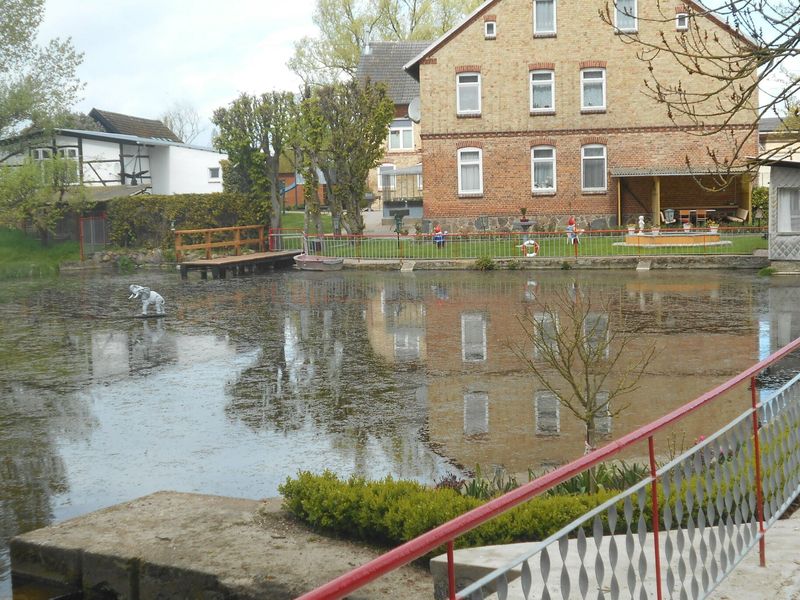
[486, 408]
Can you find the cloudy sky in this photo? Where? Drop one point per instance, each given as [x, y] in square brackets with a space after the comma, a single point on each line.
[141, 56]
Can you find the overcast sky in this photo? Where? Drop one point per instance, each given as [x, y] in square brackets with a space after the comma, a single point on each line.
[141, 56]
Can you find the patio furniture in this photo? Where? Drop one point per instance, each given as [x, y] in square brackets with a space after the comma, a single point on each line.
[741, 216]
[700, 217]
[685, 216]
[667, 216]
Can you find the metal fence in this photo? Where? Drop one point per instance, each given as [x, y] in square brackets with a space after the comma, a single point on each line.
[676, 533]
[531, 245]
[93, 234]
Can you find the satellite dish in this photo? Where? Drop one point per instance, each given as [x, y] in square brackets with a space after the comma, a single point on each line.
[413, 110]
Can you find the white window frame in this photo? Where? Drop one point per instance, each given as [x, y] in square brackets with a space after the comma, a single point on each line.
[41, 153]
[536, 30]
[596, 323]
[475, 349]
[603, 424]
[393, 185]
[71, 153]
[460, 86]
[214, 178]
[585, 81]
[619, 13]
[399, 126]
[545, 321]
[682, 21]
[787, 197]
[584, 158]
[552, 85]
[461, 164]
[490, 30]
[539, 398]
[476, 404]
[534, 161]
[419, 177]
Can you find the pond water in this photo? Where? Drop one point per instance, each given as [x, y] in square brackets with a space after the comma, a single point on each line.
[249, 380]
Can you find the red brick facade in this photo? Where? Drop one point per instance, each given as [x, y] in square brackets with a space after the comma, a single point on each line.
[635, 131]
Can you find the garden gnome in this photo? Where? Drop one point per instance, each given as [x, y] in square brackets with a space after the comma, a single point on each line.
[641, 223]
[148, 297]
[572, 235]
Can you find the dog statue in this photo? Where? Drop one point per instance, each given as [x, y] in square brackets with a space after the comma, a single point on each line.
[148, 297]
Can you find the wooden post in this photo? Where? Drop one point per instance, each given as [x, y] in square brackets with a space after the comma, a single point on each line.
[656, 201]
[178, 247]
[208, 245]
[237, 241]
[747, 191]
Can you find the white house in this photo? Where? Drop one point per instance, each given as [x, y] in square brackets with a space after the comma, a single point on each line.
[135, 156]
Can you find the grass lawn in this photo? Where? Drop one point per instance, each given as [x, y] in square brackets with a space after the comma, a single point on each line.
[294, 220]
[22, 256]
[554, 246]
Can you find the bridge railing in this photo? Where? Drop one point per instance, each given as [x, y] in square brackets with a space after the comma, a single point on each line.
[675, 533]
[228, 239]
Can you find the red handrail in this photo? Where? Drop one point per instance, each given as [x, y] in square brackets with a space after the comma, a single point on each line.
[357, 578]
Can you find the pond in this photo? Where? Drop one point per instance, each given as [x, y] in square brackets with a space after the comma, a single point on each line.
[248, 380]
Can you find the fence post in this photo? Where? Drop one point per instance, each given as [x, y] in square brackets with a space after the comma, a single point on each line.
[178, 247]
[451, 571]
[261, 238]
[208, 245]
[237, 241]
[655, 509]
[759, 486]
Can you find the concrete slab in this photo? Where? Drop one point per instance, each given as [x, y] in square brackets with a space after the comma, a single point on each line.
[173, 545]
[779, 580]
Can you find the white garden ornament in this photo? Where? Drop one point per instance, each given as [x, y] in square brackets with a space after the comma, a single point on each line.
[148, 297]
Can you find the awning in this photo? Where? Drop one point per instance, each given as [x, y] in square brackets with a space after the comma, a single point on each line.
[673, 171]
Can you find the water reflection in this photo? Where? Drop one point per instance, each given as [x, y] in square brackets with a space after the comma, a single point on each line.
[248, 380]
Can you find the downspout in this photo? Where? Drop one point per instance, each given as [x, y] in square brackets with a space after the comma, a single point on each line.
[619, 201]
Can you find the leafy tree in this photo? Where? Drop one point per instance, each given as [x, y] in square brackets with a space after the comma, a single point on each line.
[37, 83]
[346, 26]
[581, 360]
[182, 118]
[39, 194]
[347, 125]
[255, 131]
[725, 70]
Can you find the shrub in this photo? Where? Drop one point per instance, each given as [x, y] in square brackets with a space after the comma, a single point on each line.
[485, 263]
[147, 221]
[392, 512]
[767, 271]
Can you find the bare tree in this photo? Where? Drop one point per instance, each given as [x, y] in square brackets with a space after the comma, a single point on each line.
[730, 50]
[582, 360]
[184, 121]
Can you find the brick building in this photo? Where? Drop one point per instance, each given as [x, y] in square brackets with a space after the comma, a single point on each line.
[540, 104]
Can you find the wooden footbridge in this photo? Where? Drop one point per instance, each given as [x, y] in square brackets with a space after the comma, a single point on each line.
[228, 243]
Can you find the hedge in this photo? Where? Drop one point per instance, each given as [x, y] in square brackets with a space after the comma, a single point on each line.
[390, 512]
[146, 221]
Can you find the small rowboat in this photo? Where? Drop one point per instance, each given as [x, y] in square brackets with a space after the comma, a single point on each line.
[310, 262]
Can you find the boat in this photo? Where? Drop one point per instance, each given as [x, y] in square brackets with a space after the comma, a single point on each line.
[312, 262]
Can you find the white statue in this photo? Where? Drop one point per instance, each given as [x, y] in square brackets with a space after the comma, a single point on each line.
[641, 223]
[147, 297]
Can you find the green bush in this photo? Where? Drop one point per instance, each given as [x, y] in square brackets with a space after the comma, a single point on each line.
[484, 263]
[146, 221]
[392, 512]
